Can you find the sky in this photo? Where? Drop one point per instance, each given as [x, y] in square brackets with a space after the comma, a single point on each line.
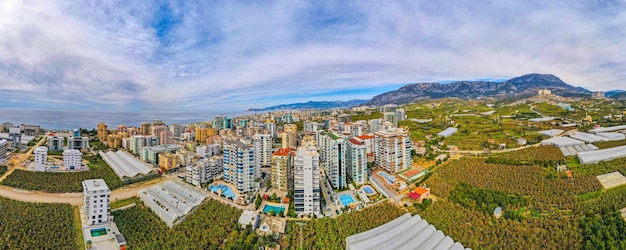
[233, 55]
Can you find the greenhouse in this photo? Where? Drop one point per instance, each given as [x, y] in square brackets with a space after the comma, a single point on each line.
[405, 232]
[124, 164]
[602, 155]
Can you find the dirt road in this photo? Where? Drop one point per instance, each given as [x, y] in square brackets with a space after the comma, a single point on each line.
[74, 199]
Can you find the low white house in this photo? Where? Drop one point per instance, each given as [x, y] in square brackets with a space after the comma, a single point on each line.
[249, 218]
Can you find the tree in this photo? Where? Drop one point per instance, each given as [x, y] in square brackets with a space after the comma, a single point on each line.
[258, 201]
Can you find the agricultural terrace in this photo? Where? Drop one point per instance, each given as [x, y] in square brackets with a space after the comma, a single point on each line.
[205, 228]
[329, 233]
[26, 225]
[540, 156]
[475, 129]
[609, 144]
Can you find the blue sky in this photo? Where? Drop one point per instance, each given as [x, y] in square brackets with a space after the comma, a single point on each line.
[233, 55]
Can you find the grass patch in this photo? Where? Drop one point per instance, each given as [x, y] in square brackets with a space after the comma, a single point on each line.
[124, 202]
[78, 229]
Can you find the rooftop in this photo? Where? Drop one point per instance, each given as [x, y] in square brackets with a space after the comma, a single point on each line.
[283, 151]
[94, 185]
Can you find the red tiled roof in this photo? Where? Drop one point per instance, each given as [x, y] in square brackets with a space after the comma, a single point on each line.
[365, 137]
[420, 190]
[282, 152]
[414, 196]
[355, 141]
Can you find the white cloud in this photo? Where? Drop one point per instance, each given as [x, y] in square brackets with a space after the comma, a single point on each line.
[207, 56]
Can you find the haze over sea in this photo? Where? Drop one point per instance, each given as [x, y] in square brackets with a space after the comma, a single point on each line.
[58, 119]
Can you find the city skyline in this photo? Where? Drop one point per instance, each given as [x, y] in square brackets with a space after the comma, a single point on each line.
[231, 56]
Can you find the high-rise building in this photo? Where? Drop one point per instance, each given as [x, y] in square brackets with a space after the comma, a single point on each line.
[55, 142]
[114, 141]
[166, 137]
[77, 142]
[122, 128]
[290, 136]
[310, 126]
[393, 150]
[204, 170]
[151, 154]
[357, 161]
[263, 151]
[391, 117]
[282, 164]
[72, 159]
[96, 197]
[4, 145]
[400, 114]
[157, 129]
[333, 158]
[41, 157]
[177, 130]
[307, 181]
[102, 132]
[146, 128]
[30, 130]
[271, 127]
[239, 168]
[137, 142]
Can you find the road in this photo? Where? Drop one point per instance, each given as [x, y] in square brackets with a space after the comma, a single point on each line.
[74, 199]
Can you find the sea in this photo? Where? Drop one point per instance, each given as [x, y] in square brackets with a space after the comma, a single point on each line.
[67, 120]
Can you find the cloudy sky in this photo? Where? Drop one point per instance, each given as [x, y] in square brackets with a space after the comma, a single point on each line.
[230, 55]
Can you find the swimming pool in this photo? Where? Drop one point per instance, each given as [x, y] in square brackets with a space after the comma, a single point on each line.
[275, 209]
[226, 190]
[368, 190]
[346, 199]
[98, 232]
[390, 179]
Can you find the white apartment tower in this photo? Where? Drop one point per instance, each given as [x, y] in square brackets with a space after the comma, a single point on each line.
[307, 181]
[96, 196]
[393, 150]
[72, 159]
[263, 151]
[239, 168]
[137, 142]
[41, 157]
[4, 145]
[204, 170]
[357, 160]
[333, 158]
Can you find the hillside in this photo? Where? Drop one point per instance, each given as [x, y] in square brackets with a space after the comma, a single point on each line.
[524, 85]
[313, 105]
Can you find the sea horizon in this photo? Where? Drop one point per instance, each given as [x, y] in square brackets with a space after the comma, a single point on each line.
[89, 119]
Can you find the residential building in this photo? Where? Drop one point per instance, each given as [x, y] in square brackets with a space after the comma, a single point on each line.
[282, 165]
[333, 158]
[151, 154]
[157, 129]
[77, 142]
[96, 197]
[250, 218]
[102, 132]
[400, 114]
[307, 181]
[167, 161]
[391, 117]
[208, 150]
[41, 158]
[393, 150]
[310, 126]
[177, 130]
[263, 150]
[114, 141]
[72, 159]
[166, 137]
[357, 161]
[137, 142]
[290, 136]
[146, 128]
[239, 168]
[4, 145]
[15, 135]
[30, 130]
[55, 143]
[204, 170]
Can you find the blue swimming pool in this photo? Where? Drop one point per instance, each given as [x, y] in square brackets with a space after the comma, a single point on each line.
[390, 179]
[368, 190]
[346, 199]
[226, 190]
[275, 209]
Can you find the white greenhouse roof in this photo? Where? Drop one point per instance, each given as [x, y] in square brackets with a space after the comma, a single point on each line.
[608, 129]
[602, 155]
[542, 119]
[124, 164]
[562, 142]
[588, 137]
[171, 201]
[405, 232]
[551, 132]
[448, 132]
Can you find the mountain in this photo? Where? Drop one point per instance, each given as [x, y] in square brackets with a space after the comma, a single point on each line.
[619, 96]
[313, 105]
[614, 94]
[519, 86]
